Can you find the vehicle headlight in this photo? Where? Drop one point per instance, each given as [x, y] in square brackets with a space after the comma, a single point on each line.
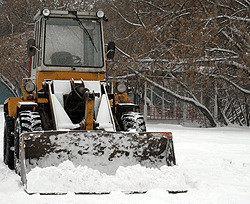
[121, 87]
[29, 87]
[100, 14]
[46, 12]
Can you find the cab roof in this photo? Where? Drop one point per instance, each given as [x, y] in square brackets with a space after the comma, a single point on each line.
[59, 13]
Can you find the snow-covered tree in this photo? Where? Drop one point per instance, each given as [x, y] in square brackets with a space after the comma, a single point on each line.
[196, 51]
[203, 46]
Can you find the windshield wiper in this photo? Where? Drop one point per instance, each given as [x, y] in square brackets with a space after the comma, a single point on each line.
[85, 30]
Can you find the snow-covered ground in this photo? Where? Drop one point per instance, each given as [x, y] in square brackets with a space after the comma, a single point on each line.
[213, 164]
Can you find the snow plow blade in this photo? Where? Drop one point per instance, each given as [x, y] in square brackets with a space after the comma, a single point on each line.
[100, 150]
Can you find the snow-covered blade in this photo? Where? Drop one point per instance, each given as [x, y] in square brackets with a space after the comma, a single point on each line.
[99, 150]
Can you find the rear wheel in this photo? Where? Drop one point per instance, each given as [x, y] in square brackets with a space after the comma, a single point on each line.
[27, 121]
[8, 154]
[133, 121]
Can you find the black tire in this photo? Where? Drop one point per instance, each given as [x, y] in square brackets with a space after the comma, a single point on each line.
[8, 154]
[133, 121]
[27, 121]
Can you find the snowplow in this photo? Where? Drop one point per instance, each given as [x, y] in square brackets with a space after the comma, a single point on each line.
[69, 111]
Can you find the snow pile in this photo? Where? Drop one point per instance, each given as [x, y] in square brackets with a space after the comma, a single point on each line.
[68, 178]
[214, 162]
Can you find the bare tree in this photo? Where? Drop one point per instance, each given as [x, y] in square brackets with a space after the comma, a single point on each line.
[202, 45]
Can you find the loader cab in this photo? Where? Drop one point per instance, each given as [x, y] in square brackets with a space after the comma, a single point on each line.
[67, 41]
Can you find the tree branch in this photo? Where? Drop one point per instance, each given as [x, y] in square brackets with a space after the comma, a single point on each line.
[133, 24]
[9, 85]
[155, 6]
[197, 104]
[228, 17]
[240, 3]
[245, 91]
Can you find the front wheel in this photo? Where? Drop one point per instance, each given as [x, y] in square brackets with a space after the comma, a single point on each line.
[8, 154]
[27, 121]
[133, 121]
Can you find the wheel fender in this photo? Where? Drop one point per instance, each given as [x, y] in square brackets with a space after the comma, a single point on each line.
[23, 106]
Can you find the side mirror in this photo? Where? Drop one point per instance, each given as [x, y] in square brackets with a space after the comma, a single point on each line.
[111, 50]
[31, 47]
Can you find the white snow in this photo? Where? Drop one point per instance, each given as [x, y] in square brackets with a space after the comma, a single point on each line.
[68, 178]
[213, 163]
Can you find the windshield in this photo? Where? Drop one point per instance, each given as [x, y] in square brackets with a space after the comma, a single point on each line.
[69, 42]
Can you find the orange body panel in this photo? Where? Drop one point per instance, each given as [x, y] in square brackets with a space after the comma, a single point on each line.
[89, 114]
[67, 75]
[121, 98]
[12, 105]
[12, 102]
[42, 100]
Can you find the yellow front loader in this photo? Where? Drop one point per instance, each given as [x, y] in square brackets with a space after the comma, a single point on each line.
[66, 110]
